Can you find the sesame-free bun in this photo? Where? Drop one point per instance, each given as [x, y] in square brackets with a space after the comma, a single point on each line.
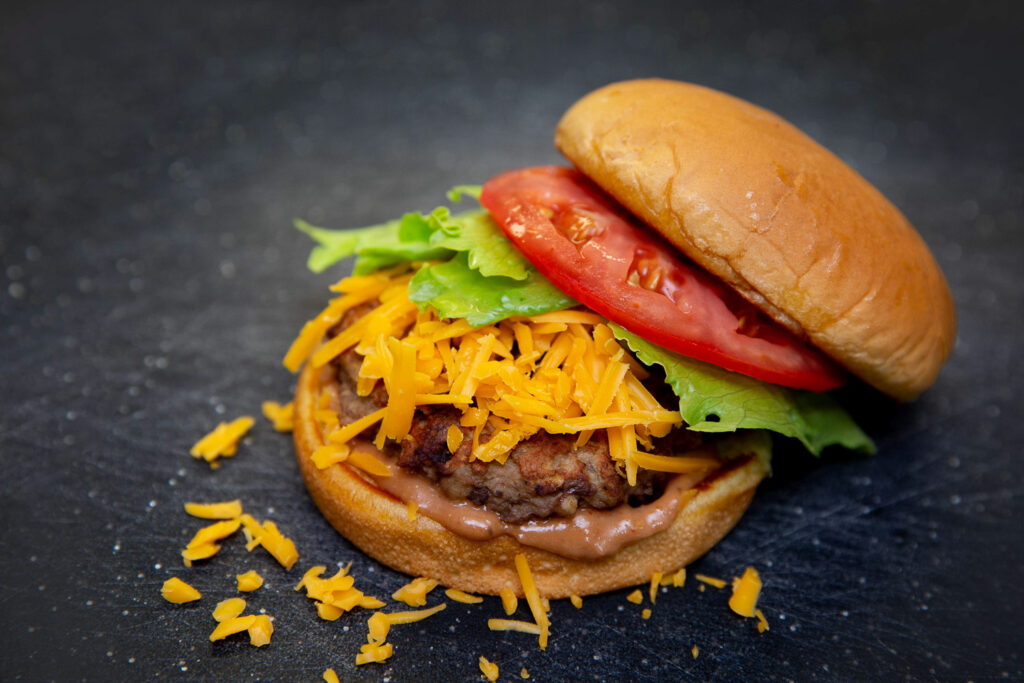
[777, 216]
[379, 524]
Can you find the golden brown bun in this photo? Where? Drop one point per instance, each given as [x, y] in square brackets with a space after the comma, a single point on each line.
[379, 525]
[777, 216]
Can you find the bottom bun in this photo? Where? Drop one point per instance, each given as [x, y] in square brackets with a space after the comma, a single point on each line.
[379, 524]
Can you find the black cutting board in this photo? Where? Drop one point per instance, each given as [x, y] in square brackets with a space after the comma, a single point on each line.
[152, 157]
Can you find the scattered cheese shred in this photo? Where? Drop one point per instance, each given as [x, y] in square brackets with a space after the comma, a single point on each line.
[533, 598]
[412, 616]
[177, 591]
[222, 442]
[576, 601]
[228, 609]
[267, 534]
[330, 676]
[459, 596]
[261, 630]
[549, 383]
[489, 669]
[745, 591]
[695, 651]
[762, 623]
[509, 601]
[415, 592]
[710, 580]
[232, 626]
[636, 597]
[523, 673]
[228, 510]
[335, 595]
[281, 416]
[655, 583]
[679, 578]
[513, 625]
[411, 510]
[204, 543]
[379, 625]
[646, 613]
[370, 653]
[249, 581]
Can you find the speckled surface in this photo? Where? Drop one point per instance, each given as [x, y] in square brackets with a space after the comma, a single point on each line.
[151, 159]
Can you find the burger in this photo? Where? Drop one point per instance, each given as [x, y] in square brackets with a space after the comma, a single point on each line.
[588, 369]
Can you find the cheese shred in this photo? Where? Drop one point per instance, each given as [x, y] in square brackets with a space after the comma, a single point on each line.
[533, 599]
[568, 375]
[745, 591]
[222, 442]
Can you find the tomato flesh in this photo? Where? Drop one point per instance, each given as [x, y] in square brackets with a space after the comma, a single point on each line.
[591, 249]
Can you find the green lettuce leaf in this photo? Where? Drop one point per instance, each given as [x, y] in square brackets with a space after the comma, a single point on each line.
[457, 290]
[417, 237]
[476, 233]
[378, 246]
[712, 399]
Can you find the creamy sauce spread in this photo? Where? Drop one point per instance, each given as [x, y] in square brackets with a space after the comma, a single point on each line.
[587, 535]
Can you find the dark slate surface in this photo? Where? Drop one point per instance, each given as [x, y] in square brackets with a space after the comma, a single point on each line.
[151, 158]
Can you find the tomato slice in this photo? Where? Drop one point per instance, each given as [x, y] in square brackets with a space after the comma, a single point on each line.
[591, 249]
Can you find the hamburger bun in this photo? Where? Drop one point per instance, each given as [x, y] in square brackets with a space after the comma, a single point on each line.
[775, 215]
[379, 524]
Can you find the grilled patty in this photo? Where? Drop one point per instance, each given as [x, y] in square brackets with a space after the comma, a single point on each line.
[544, 476]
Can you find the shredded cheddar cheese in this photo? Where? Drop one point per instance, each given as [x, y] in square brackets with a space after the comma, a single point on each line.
[636, 597]
[371, 653]
[745, 591]
[645, 613]
[379, 625]
[222, 442]
[281, 416]
[267, 535]
[762, 623]
[228, 510]
[204, 543]
[513, 625]
[576, 601]
[568, 375]
[533, 599]
[412, 510]
[228, 609]
[695, 651]
[177, 591]
[489, 669]
[655, 583]
[330, 676]
[509, 601]
[415, 592]
[232, 626]
[710, 580]
[459, 596]
[249, 581]
[335, 595]
[523, 673]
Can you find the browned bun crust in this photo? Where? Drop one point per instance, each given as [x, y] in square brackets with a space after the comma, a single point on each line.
[379, 525]
[777, 216]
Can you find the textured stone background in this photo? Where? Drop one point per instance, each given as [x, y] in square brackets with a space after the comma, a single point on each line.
[152, 156]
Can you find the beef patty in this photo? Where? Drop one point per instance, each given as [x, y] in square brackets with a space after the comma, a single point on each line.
[544, 476]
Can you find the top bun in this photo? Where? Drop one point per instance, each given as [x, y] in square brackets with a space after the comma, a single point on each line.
[777, 216]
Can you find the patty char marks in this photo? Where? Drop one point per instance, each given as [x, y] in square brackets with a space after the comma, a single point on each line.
[544, 475]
